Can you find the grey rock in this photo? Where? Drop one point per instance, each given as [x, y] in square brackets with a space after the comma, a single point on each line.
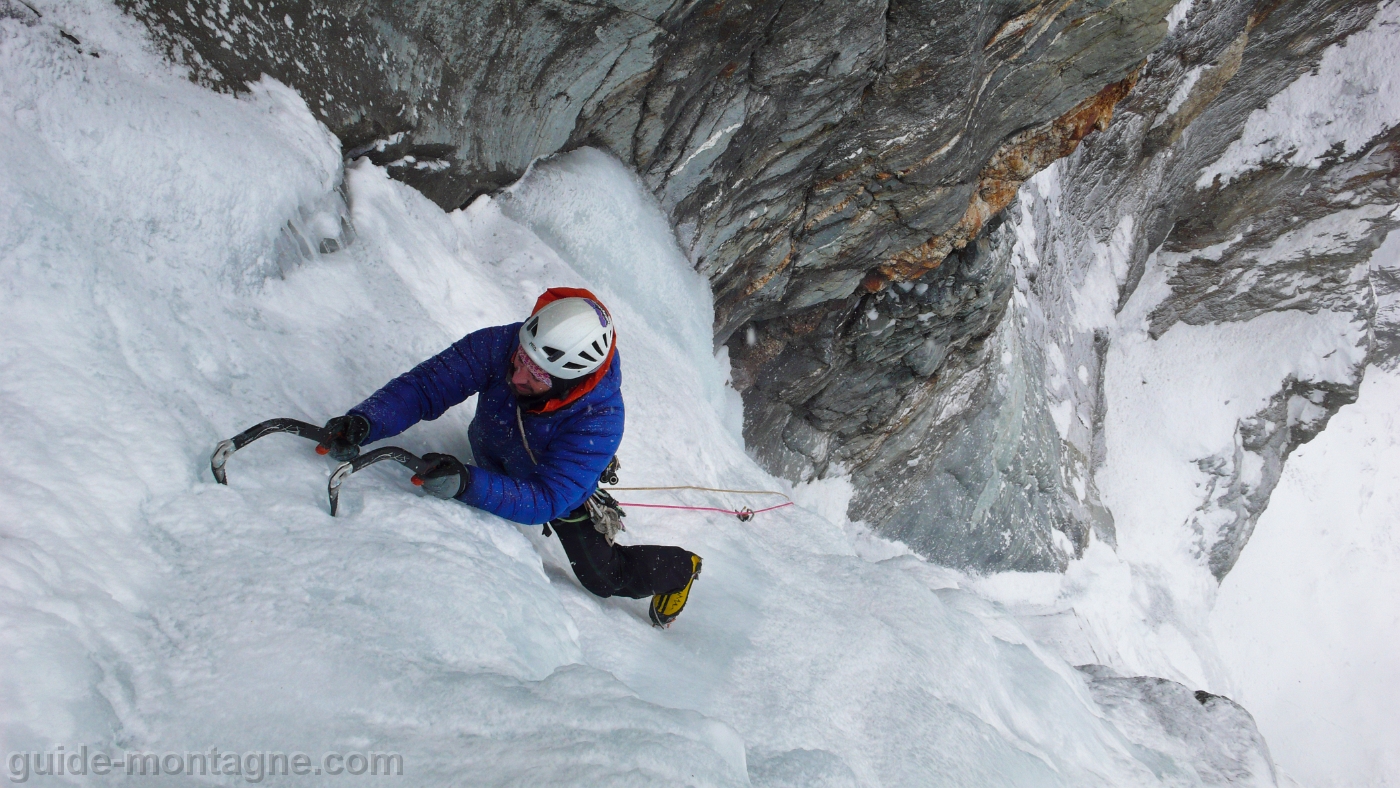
[1294, 416]
[1125, 194]
[13, 9]
[802, 145]
[1263, 218]
[925, 359]
[973, 479]
[1385, 284]
[1187, 737]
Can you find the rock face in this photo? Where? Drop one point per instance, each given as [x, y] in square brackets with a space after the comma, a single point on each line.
[842, 171]
[1211, 733]
[1014, 461]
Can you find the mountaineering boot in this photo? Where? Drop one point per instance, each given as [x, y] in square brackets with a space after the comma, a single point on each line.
[665, 607]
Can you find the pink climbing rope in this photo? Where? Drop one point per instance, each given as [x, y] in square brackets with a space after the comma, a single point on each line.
[745, 514]
[742, 514]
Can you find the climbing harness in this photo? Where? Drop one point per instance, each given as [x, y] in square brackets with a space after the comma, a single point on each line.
[605, 513]
[704, 489]
[601, 509]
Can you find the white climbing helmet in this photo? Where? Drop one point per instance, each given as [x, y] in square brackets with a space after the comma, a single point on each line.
[568, 338]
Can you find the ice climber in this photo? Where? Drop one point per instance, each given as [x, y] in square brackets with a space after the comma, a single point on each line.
[548, 423]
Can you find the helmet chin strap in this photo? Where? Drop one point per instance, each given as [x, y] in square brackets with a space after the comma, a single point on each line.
[531, 401]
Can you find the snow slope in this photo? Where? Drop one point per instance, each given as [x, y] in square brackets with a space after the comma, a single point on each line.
[1307, 620]
[177, 265]
[1352, 95]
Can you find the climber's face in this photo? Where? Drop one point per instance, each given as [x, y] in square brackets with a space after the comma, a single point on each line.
[526, 378]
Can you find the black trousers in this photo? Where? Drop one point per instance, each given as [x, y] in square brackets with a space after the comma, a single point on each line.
[635, 571]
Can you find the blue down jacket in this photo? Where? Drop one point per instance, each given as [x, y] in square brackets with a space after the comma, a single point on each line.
[573, 444]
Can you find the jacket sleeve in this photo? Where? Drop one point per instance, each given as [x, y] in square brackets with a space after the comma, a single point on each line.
[567, 471]
[429, 389]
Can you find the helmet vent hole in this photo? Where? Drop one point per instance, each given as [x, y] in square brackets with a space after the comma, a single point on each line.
[572, 365]
[584, 355]
[551, 353]
[533, 326]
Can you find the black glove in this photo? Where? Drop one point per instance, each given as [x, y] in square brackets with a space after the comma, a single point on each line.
[344, 438]
[446, 477]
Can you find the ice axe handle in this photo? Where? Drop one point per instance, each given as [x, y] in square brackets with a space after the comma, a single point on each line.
[403, 457]
[225, 449]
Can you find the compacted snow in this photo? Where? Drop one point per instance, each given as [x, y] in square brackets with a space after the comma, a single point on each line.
[1307, 619]
[178, 265]
[1349, 98]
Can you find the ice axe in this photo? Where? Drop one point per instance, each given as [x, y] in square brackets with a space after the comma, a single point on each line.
[407, 459]
[225, 449]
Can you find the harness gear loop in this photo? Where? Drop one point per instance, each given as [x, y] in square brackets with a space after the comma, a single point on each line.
[606, 514]
[569, 519]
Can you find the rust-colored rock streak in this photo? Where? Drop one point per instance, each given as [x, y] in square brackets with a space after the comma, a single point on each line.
[1023, 156]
